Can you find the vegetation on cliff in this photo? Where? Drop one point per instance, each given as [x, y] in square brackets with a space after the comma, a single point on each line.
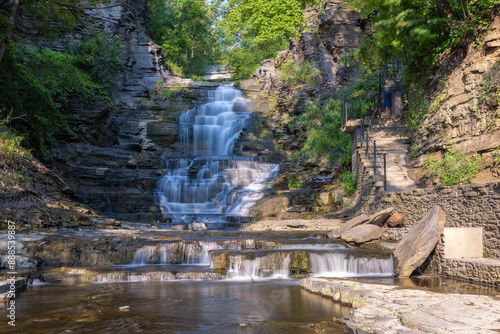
[417, 31]
[38, 82]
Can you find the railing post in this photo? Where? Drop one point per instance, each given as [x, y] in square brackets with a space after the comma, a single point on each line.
[385, 172]
[374, 158]
[367, 146]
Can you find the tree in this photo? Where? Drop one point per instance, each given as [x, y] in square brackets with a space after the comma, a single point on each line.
[252, 30]
[184, 30]
[416, 30]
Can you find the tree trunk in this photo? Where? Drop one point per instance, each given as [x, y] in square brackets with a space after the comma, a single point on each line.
[444, 10]
[8, 30]
[192, 52]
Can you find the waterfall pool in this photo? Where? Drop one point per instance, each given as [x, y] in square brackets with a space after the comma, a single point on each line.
[182, 307]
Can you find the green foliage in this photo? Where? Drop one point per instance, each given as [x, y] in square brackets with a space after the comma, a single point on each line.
[101, 57]
[14, 158]
[348, 181]
[37, 83]
[496, 157]
[417, 109]
[184, 29]
[253, 30]
[322, 131]
[362, 93]
[293, 182]
[486, 87]
[162, 93]
[418, 31]
[436, 104]
[454, 168]
[294, 74]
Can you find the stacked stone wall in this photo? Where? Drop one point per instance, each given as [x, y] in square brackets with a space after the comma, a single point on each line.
[474, 205]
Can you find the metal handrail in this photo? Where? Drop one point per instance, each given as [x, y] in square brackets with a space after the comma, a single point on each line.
[369, 152]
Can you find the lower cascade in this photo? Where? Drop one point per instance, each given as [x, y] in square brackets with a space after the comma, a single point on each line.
[209, 183]
[280, 261]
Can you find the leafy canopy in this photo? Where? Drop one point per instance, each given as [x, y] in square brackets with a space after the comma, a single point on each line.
[184, 30]
[417, 31]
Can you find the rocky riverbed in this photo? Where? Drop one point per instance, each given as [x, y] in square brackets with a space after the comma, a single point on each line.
[388, 309]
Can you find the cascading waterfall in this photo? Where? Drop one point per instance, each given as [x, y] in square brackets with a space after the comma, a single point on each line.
[344, 265]
[327, 260]
[273, 265]
[211, 183]
[195, 253]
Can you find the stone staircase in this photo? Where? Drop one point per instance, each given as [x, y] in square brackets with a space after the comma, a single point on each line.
[391, 139]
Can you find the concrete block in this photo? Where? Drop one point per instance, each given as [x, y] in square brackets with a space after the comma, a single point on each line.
[462, 242]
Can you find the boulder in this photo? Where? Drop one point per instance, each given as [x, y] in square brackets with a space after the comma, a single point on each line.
[361, 219]
[416, 246]
[395, 220]
[362, 233]
[196, 227]
[380, 217]
[220, 261]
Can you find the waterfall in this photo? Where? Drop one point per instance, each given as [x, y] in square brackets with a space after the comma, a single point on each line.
[273, 265]
[210, 183]
[193, 253]
[345, 265]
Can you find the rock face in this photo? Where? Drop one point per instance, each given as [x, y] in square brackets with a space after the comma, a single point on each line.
[380, 217]
[358, 220]
[416, 246]
[464, 100]
[362, 233]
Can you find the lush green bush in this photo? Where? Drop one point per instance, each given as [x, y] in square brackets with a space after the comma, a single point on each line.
[101, 57]
[37, 83]
[348, 181]
[293, 182]
[417, 31]
[294, 73]
[14, 158]
[322, 131]
[454, 168]
[417, 109]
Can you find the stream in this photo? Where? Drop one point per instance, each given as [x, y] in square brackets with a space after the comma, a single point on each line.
[218, 281]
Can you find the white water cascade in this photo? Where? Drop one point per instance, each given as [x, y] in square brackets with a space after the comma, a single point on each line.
[195, 253]
[210, 183]
[344, 265]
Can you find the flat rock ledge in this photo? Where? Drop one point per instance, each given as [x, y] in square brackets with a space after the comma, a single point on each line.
[320, 225]
[389, 309]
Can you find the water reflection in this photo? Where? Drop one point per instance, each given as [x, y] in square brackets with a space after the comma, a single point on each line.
[181, 307]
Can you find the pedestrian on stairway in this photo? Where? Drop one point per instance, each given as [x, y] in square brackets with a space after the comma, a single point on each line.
[387, 101]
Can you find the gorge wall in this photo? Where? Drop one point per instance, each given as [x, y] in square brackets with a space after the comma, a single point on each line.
[465, 92]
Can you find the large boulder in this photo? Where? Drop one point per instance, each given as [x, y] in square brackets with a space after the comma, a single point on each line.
[358, 220]
[362, 233]
[416, 246]
[395, 220]
[380, 217]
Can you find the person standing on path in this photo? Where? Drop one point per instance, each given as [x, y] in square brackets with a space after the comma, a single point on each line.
[387, 101]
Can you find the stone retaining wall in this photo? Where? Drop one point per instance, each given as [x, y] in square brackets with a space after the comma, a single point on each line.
[477, 270]
[474, 205]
